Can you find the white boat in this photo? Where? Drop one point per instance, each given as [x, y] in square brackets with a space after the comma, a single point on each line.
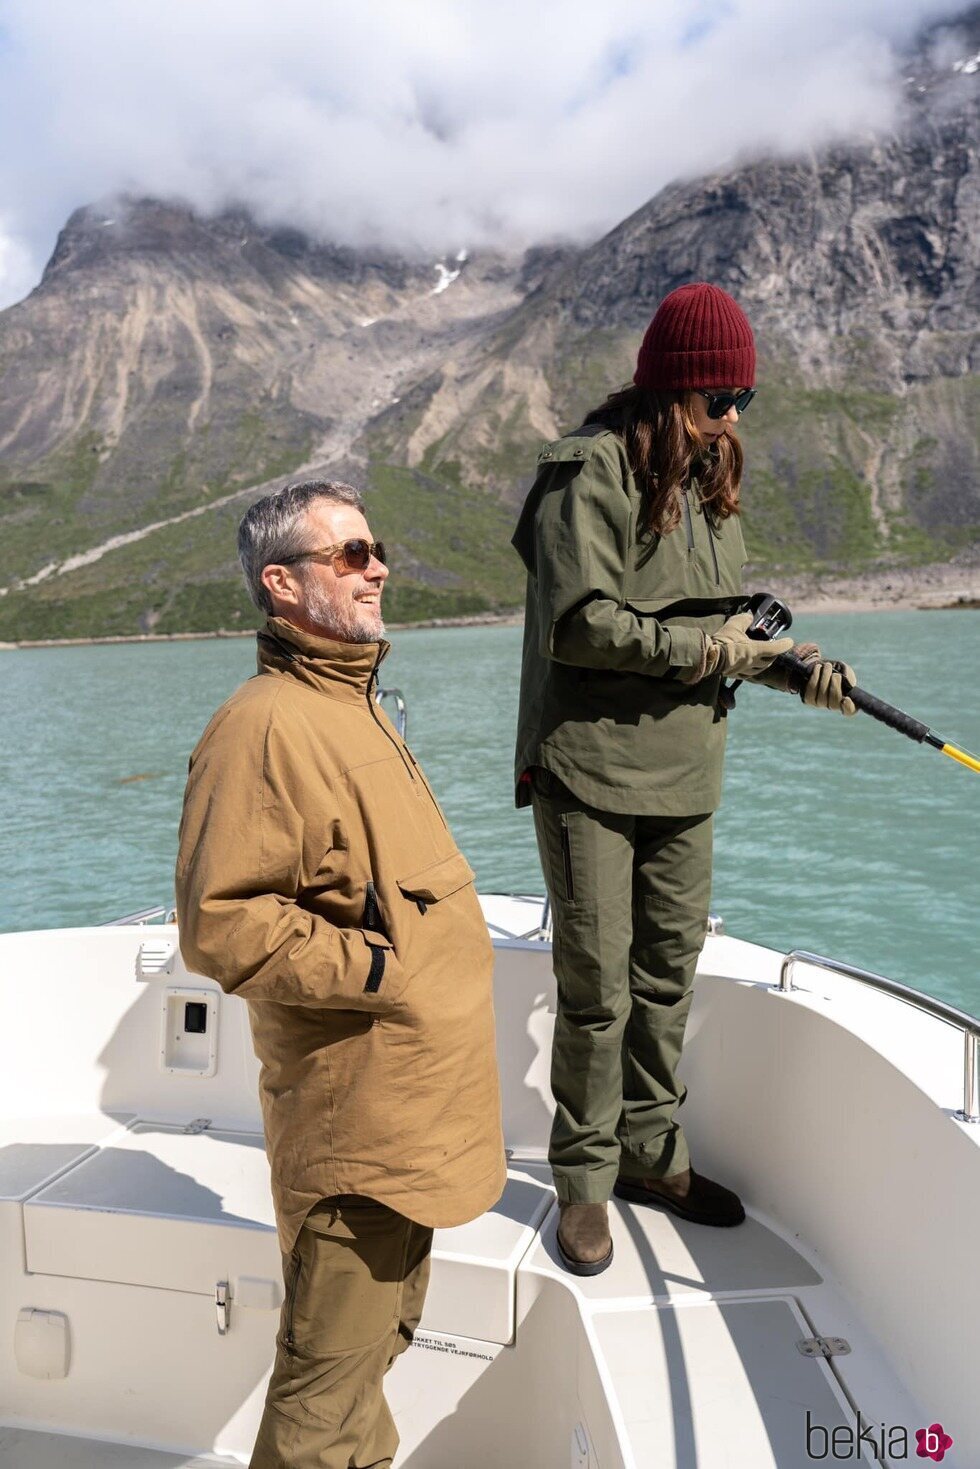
[140, 1280]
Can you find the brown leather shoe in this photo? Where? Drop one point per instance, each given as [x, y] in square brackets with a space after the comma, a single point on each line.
[584, 1241]
[687, 1195]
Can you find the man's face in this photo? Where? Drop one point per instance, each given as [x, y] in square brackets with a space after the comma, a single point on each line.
[325, 598]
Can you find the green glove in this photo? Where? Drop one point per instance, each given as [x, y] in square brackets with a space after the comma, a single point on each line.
[829, 685]
[732, 653]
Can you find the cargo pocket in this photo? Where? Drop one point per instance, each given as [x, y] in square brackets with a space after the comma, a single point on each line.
[344, 1305]
[438, 881]
[353, 1263]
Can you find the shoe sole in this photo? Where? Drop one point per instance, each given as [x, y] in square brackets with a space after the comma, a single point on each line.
[584, 1267]
[656, 1201]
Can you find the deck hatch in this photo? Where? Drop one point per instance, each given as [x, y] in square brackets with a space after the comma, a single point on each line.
[175, 1209]
[183, 1208]
[694, 1380]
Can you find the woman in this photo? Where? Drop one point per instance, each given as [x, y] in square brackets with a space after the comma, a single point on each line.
[634, 553]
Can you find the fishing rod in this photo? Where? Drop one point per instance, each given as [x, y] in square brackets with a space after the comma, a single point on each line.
[771, 618]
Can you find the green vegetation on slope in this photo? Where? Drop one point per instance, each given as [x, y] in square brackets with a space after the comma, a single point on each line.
[835, 478]
[449, 548]
[450, 543]
[88, 492]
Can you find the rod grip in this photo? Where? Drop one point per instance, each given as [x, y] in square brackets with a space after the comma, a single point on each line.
[896, 719]
[888, 714]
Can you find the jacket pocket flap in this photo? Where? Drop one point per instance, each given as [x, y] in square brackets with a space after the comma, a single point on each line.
[439, 880]
[376, 940]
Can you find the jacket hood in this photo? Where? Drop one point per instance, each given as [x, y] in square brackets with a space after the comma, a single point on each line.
[338, 669]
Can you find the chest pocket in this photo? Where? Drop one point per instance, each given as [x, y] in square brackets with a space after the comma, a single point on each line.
[692, 562]
[660, 571]
[439, 880]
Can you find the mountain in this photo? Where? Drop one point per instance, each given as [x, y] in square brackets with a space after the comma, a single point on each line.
[859, 271]
[169, 368]
[164, 369]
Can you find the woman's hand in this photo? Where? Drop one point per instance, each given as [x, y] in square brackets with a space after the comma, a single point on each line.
[732, 653]
[829, 685]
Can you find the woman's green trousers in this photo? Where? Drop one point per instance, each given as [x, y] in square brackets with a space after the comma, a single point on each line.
[629, 896]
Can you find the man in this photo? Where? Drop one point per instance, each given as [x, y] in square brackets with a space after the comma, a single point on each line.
[317, 878]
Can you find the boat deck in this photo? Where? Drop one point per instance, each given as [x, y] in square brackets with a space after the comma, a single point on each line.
[23, 1448]
[698, 1328]
[691, 1336]
[685, 1347]
[140, 1277]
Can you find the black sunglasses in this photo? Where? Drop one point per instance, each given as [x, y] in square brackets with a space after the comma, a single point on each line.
[719, 403]
[352, 555]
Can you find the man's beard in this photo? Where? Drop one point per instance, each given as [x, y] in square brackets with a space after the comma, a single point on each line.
[353, 622]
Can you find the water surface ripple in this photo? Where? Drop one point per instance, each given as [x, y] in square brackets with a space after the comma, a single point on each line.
[835, 835]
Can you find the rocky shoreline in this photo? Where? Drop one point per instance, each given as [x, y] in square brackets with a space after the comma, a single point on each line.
[953, 584]
[943, 584]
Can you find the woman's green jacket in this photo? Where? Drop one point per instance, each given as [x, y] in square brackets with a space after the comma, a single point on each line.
[614, 614]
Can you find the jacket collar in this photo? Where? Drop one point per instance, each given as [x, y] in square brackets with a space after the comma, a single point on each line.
[340, 670]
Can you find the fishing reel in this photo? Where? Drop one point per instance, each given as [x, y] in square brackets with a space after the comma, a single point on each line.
[770, 619]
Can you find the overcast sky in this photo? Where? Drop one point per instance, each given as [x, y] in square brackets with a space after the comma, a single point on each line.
[423, 124]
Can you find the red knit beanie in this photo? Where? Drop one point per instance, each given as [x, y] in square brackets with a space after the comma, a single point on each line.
[699, 338]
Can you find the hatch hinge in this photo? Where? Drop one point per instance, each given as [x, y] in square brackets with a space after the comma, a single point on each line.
[222, 1306]
[200, 1124]
[823, 1346]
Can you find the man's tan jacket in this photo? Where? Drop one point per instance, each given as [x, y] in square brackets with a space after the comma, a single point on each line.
[317, 878]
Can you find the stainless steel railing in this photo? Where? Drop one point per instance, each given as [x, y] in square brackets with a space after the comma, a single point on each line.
[938, 1009]
[401, 708]
[543, 930]
[144, 915]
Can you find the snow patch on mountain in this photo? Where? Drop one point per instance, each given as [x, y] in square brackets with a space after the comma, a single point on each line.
[446, 278]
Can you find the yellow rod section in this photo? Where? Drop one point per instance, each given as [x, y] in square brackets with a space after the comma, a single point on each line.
[970, 761]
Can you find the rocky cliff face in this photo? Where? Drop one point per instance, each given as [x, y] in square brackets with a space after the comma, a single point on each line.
[165, 363]
[167, 367]
[859, 271]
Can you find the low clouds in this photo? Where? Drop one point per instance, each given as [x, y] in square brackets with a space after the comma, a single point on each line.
[423, 124]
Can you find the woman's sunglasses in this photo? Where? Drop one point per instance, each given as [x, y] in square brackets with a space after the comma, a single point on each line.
[719, 403]
[353, 555]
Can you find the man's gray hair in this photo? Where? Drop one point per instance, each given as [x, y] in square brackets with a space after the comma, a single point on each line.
[274, 528]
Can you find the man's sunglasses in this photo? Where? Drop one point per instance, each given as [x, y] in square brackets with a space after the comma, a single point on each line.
[719, 403]
[353, 555]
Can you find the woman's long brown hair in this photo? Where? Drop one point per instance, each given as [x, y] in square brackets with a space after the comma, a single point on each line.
[664, 448]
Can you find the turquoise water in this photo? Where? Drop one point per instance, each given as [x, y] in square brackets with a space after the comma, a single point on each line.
[835, 835]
